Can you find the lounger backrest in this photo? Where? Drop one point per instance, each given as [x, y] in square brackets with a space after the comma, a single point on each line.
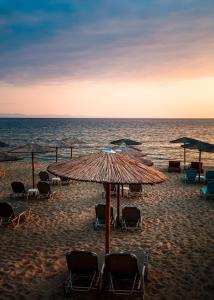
[121, 263]
[131, 214]
[6, 210]
[82, 262]
[100, 210]
[137, 188]
[209, 175]
[191, 174]
[196, 164]
[18, 187]
[210, 187]
[44, 176]
[174, 163]
[43, 187]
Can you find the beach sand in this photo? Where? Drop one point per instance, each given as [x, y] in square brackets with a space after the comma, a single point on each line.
[178, 232]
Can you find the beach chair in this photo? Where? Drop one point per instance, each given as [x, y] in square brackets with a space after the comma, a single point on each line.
[190, 176]
[18, 189]
[208, 191]
[131, 218]
[83, 272]
[135, 189]
[121, 274]
[100, 211]
[44, 176]
[45, 190]
[209, 176]
[113, 190]
[10, 215]
[174, 166]
[195, 165]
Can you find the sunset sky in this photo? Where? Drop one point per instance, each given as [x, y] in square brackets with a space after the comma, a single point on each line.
[112, 58]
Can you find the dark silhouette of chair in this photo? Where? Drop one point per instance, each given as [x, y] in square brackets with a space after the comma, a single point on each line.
[131, 218]
[44, 176]
[190, 176]
[100, 211]
[208, 191]
[135, 189]
[18, 189]
[10, 215]
[209, 176]
[174, 166]
[121, 274]
[83, 272]
[45, 190]
[113, 189]
[196, 165]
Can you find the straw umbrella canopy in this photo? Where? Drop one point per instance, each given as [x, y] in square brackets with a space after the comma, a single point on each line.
[108, 168]
[4, 156]
[201, 147]
[184, 140]
[72, 143]
[56, 144]
[3, 144]
[32, 148]
[125, 141]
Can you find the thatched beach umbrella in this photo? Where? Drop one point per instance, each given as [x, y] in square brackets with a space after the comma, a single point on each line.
[108, 168]
[32, 148]
[4, 156]
[184, 140]
[201, 147]
[126, 142]
[56, 144]
[72, 143]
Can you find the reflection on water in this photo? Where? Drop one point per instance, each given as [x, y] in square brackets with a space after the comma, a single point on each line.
[154, 134]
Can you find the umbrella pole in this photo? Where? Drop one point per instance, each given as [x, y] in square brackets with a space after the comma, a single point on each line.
[32, 162]
[108, 208]
[122, 194]
[118, 205]
[71, 152]
[199, 171]
[184, 158]
[56, 154]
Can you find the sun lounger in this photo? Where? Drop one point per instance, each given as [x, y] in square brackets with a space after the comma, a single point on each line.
[100, 211]
[190, 176]
[45, 190]
[113, 190]
[174, 166]
[44, 176]
[209, 176]
[83, 272]
[10, 215]
[195, 165]
[131, 218]
[18, 189]
[135, 189]
[208, 191]
[121, 274]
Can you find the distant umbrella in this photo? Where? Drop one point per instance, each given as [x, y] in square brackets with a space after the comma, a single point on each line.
[7, 157]
[107, 167]
[125, 141]
[184, 140]
[3, 144]
[72, 143]
[56, 144]
[201, 147]
[32, 148]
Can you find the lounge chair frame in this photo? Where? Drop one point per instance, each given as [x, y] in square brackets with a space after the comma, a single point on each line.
[136, 281]
[70, 285]
[100, 222]
[15, 217]
[129, 224]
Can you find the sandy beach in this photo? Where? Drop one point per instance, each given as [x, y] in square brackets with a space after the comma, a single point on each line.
[177, 232]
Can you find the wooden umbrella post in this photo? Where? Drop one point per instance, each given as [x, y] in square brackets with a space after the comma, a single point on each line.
[32, 162]
[184, 157]
[71, 152]
[108, 209]
[199, 175]
[56, 154]
[118, 205]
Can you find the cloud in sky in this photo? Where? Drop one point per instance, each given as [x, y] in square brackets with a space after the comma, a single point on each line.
[97, 39]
